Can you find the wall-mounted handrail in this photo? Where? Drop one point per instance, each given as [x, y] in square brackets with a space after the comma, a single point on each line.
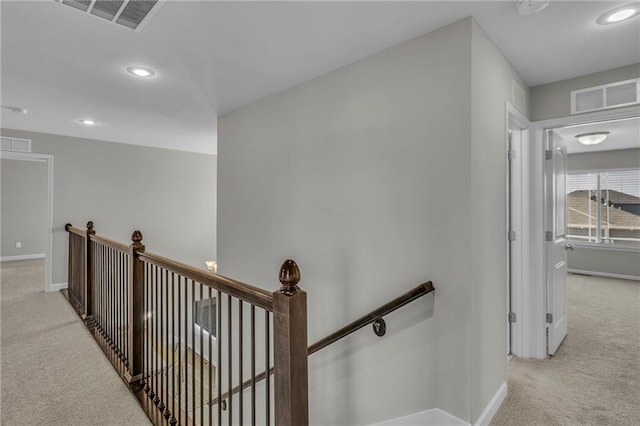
[369, 318]
[387, 308]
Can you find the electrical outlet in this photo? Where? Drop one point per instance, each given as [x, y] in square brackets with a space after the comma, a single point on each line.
[18, 244]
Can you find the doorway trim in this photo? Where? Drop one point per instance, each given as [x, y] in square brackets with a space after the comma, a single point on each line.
[48, 225]
[517, 217]
[535, 288]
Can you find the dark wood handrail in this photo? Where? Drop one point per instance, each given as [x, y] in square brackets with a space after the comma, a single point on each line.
[348, 329]
[246, 292]
[72, 229]
[369, 318]
[110, 243]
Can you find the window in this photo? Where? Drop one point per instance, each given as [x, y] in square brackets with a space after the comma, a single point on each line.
[205, 315]
[603, 207]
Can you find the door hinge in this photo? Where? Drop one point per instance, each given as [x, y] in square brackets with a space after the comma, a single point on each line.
[512, 235]
[548, 154]
[512, 317]
[548, 236]
[549, 318]
[511, 154]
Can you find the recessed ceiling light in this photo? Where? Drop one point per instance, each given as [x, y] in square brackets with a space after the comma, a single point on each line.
[592, 138]
[141, 71]
[88, 122]
[619, 14]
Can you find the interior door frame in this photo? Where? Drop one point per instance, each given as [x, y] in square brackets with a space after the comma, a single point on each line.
[534, 289]
[48, 225]
[517, 210]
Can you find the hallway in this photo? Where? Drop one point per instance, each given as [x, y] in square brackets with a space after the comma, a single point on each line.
[53, 372]
[594, 378]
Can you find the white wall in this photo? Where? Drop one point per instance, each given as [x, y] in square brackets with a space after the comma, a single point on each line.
[169, 195]
[365, 176]
[24, 199]
[491, 86]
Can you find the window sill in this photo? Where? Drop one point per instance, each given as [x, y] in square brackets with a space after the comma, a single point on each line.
[607, 247]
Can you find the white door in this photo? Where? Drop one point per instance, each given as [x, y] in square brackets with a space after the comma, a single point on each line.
[556, 239]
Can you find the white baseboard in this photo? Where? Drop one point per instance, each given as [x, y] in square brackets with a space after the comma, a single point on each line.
[492, 408]
[438, 417]
[57, 287]
[435, 416]
[604, 274]
[21, 257]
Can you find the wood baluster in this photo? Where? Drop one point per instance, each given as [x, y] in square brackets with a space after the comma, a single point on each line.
[121, 306]
[107, 271]
[210, 328]
[160, 341]
[69, 260]
[193, 352]
[201, 359]
[267, 365]
[102, 293]
[253, 365]
[156, 338]
[173, 420]
[230, 356]
[240, 409]
[186, 350]
[219, 359]
[167, 412]
[180, 348]
[290, 349]
[147, 329]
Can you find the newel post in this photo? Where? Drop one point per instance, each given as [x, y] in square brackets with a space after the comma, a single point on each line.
[136, 312]
[88, 276]
[290, 349]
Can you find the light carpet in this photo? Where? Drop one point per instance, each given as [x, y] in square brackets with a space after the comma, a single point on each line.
[52, 371]
[594, 378]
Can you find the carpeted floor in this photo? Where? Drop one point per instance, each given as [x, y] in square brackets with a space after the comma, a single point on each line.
[52, 371]
[594, 378]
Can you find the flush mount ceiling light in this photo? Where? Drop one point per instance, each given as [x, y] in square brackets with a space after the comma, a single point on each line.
[619, 14]
[592, 138]
[87, 121]
[141, 71]
[529, 7]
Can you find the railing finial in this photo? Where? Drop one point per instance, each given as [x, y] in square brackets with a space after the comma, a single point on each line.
[136, 237]
[289, 277]
[67, 226]
[90, 229]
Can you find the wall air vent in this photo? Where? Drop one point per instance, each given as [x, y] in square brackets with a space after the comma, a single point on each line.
[16, 144]
[612, 95]
[132, 14]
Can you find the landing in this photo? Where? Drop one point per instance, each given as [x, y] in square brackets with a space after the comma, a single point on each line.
[53, 371]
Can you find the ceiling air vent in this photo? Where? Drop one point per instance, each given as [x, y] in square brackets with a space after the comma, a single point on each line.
[612, 95]
[133, 14]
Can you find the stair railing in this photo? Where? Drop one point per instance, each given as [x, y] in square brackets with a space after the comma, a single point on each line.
[180, 336]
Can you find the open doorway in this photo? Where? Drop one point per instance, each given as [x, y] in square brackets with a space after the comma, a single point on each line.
[599, 192]
[593, 211]
[26, 185]
[527, 290]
